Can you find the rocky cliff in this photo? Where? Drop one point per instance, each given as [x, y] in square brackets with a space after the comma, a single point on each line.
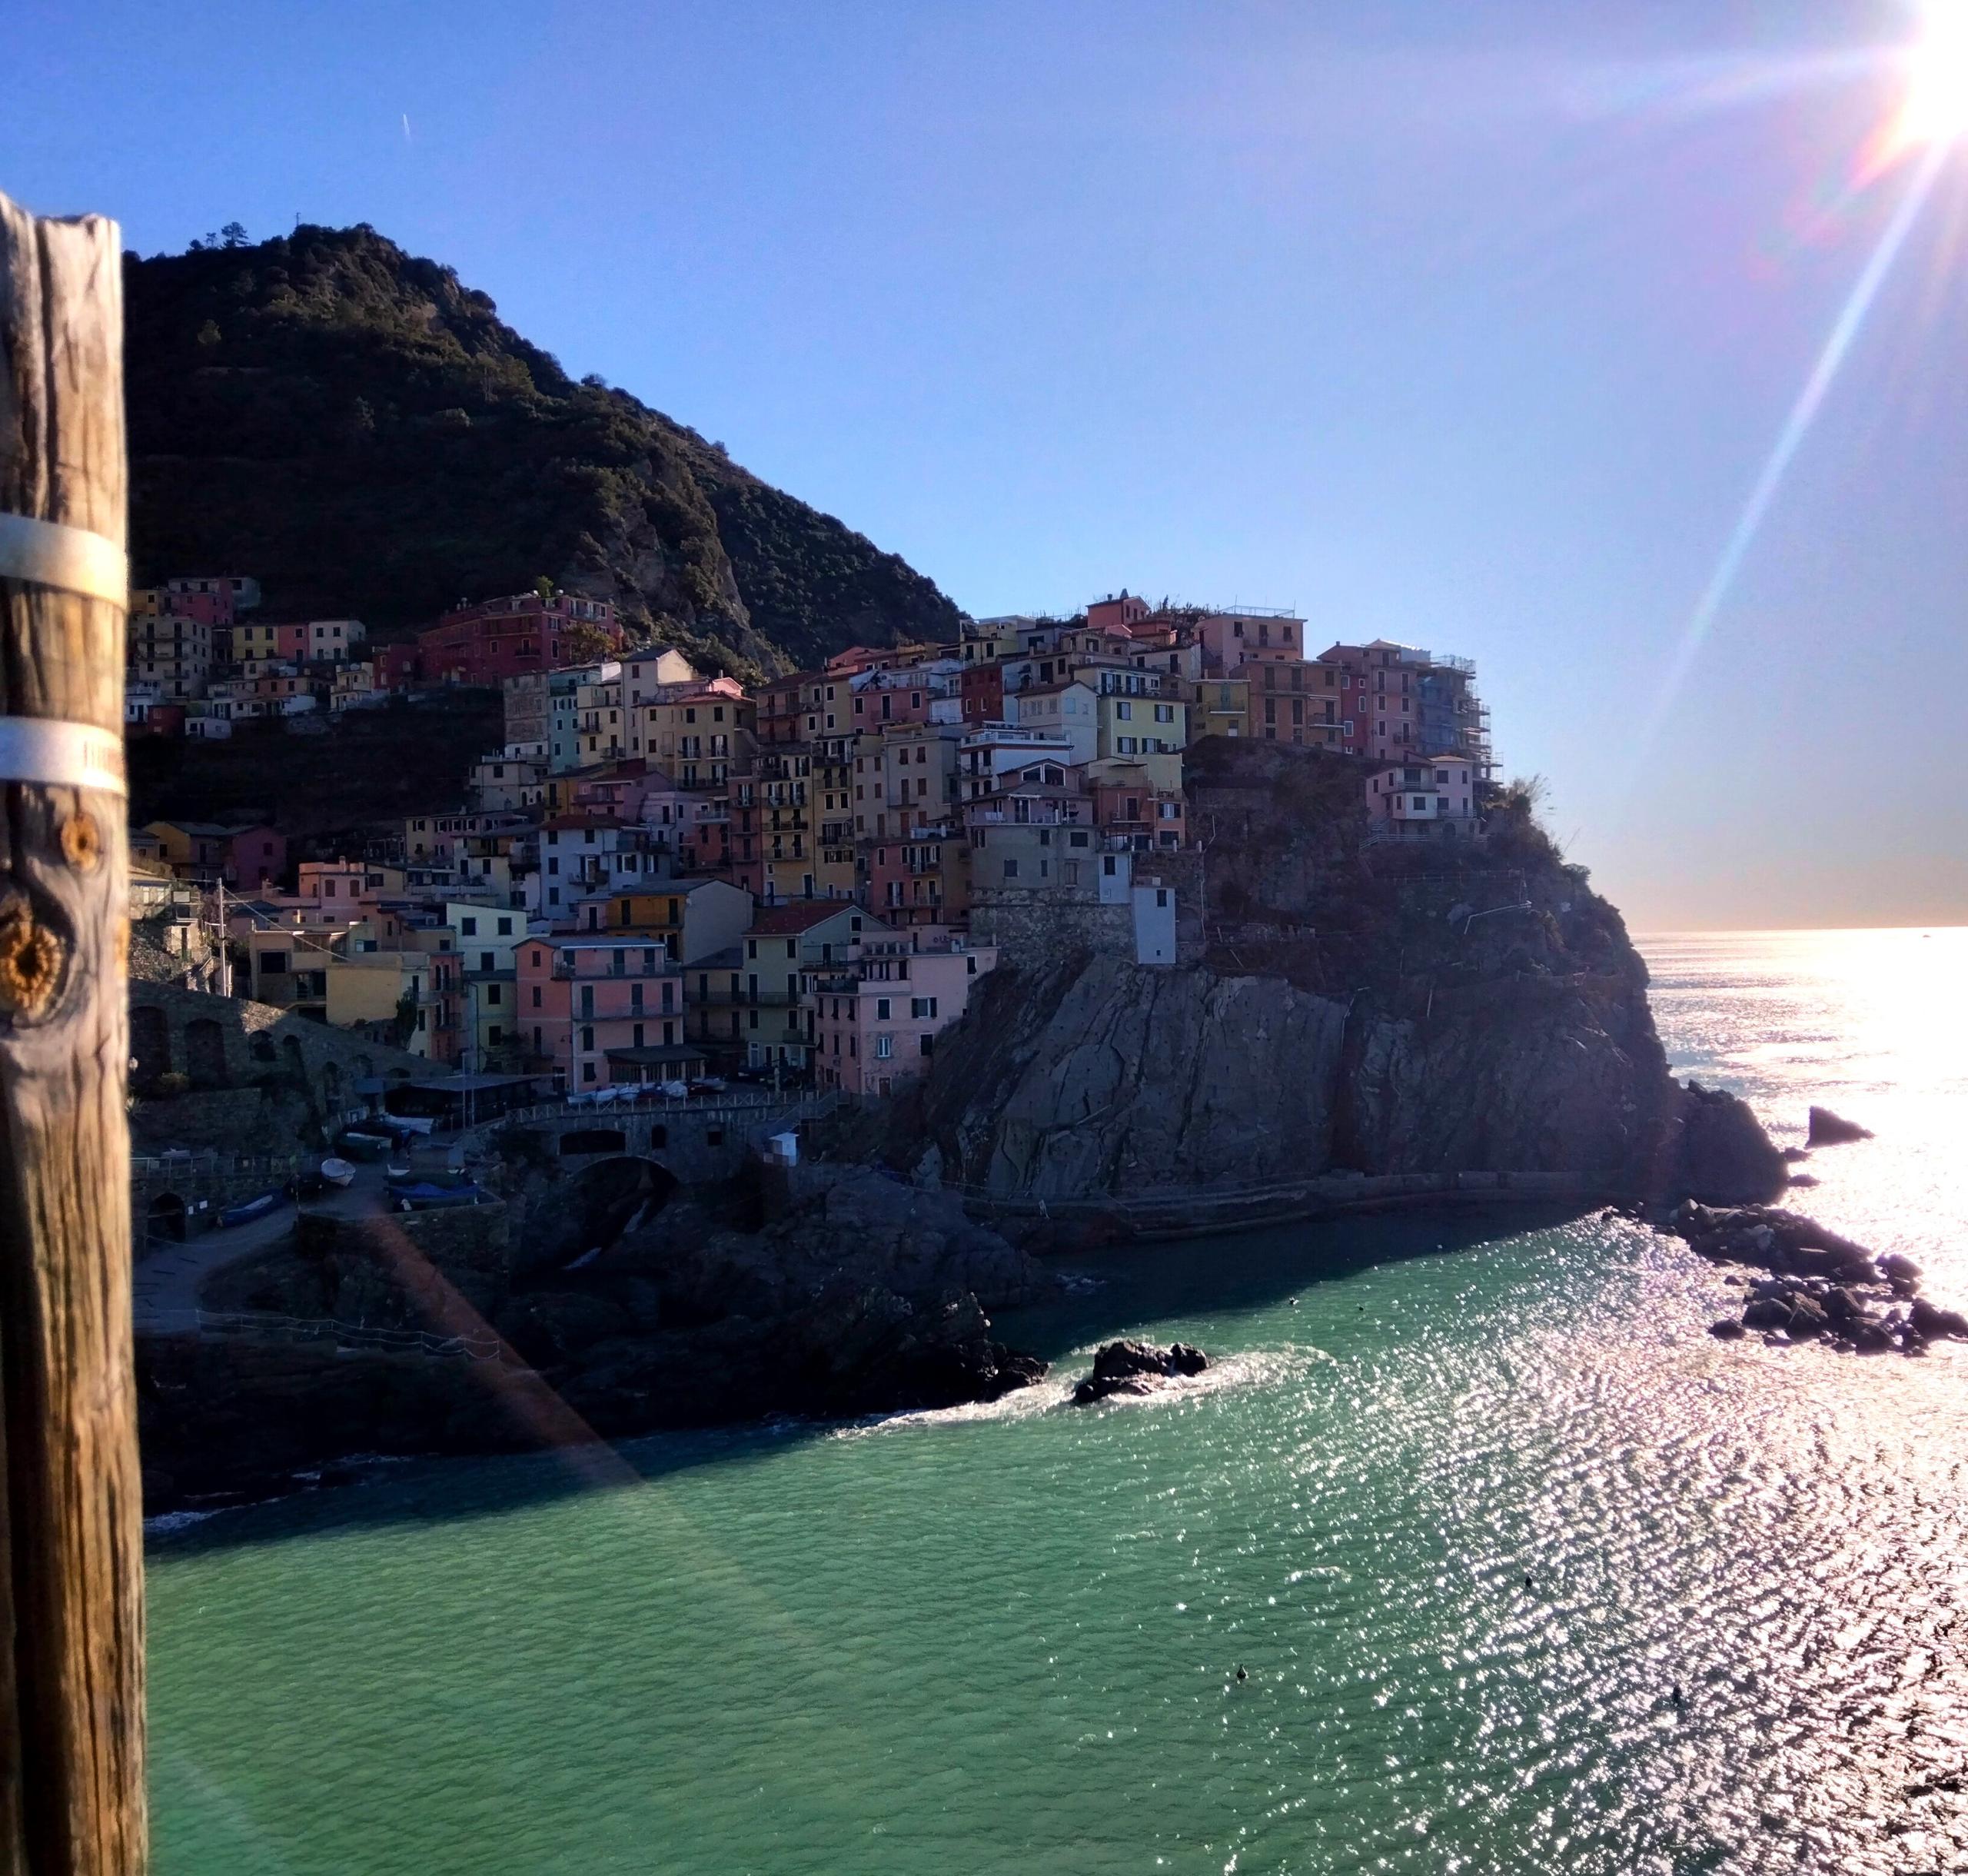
[839, 1292]
[1358, 1007]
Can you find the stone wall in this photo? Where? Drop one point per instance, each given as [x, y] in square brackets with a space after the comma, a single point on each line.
[696, 1146]
[1038, 925]
[229, 1042]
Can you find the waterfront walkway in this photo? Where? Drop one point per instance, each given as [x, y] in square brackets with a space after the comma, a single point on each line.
[167, 1277]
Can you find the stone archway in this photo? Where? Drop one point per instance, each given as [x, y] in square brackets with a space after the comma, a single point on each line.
[205, 1053]
[593, 1140]
[606, 1200]
[150, 1045]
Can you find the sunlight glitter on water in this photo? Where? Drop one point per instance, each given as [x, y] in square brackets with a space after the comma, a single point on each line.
[1468, 1518]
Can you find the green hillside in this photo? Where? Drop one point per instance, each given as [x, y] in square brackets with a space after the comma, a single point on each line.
[363, 432]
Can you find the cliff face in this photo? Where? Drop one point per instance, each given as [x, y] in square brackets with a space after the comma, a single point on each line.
[1103, 1077]
[361, 431]
[857, 1295]
[1358, 1009]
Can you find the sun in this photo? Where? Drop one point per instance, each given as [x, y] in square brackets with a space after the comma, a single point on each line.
[1936, 110]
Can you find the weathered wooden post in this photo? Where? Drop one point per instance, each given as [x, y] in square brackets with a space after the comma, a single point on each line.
[71, 1682]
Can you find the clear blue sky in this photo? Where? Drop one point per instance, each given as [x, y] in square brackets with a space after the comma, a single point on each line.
[1471, 323]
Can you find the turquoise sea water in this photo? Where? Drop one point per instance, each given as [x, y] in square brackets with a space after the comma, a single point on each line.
[1468, 1504]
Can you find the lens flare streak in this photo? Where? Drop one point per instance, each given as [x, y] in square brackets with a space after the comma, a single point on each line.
[1803, 413]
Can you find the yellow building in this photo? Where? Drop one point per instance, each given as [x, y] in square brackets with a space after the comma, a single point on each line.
[1147, 728]
[830, 819]
[692, 918]
[1219, 706]
[783, 778]
[375, 988]
[699, 737]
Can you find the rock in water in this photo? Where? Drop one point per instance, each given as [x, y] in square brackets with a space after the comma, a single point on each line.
[1932, 1323]
[1722, 1155]
[1821, 1286]
[1134, 1368]
[1831, 1130]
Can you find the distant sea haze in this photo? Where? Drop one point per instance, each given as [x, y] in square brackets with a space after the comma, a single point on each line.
[1525, 1570]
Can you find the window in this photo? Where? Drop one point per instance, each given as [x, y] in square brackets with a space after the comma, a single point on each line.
[495, 993]
[1011, 869]
[881, 1010]
[469, 927]
[1125, 711]
[923, 1008]
[505, 928]
[884, 1047]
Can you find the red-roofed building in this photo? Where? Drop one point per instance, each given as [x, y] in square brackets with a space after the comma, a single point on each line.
[1117, 611]
[516, 636]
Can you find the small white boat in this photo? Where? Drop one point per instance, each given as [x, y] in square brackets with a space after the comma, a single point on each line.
[337, 1172]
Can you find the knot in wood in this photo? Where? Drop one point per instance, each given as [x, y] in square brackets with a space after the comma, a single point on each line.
[81, 841]
[30, 963]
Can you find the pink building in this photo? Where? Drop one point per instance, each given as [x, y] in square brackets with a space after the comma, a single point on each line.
[1431, 800]
[618, 795]
[330, 884]
[210, 601]
[258, 856]
[920, 879]
[1379, 698]
[874, 1022]
[1118, 611]
[882, 697]
[1229, 639]
[599, 1012]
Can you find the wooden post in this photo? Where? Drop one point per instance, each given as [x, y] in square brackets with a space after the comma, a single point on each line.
[71, 1732]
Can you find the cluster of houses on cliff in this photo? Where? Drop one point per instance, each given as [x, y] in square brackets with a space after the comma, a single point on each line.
[662, 874]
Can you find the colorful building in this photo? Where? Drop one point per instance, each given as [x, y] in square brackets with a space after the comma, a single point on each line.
[875, 1019]
[1435, 799]
[521, 634]
[601, 1010]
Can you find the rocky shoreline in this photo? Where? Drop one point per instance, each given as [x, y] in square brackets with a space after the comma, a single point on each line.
[842, 1294]
[1818, 1285]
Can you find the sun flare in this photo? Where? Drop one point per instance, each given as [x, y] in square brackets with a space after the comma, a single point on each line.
[1936, 110]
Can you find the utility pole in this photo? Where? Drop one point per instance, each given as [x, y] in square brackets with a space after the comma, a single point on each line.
[71, 1557]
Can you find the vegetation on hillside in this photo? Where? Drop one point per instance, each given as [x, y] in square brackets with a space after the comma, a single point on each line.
[362, 431]
[321, 789]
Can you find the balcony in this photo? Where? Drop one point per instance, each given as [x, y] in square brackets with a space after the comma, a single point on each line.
[1051, 814]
